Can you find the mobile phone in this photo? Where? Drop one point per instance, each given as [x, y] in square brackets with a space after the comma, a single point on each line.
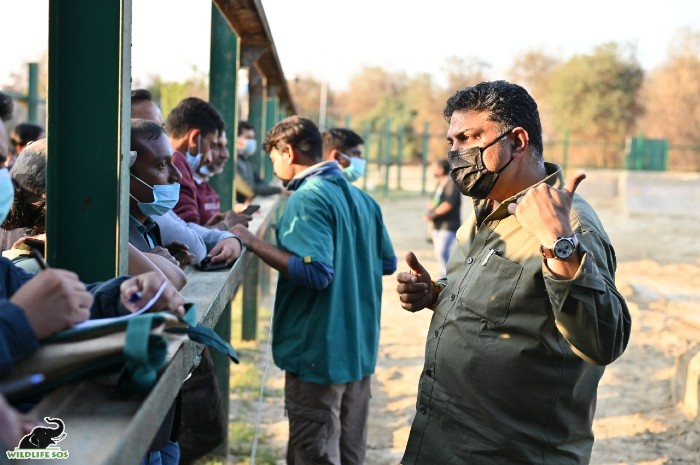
[250, 209]
[208, 265]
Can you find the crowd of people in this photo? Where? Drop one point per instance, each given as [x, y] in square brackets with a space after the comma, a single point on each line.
[525, 309]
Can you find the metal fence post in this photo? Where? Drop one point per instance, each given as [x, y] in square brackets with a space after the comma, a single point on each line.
[33, 97]
[424, 155]
[223, 94]
[399, 156]
[387, 155]
[367, 134]
[99, 202]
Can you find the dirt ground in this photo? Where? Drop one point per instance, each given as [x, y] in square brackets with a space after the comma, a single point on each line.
[636, 419]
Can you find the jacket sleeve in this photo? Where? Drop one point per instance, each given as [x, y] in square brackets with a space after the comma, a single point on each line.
[263, 189]
[210, 236]
[107, 298]
[17, 338]
[173, 228]
[243, 188]
[590, 312]
[186, 207]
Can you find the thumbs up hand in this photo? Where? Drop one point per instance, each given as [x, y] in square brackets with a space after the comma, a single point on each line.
[544, 210]
[415, 287]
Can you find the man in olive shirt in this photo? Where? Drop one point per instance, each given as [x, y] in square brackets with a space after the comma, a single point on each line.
[529, 313]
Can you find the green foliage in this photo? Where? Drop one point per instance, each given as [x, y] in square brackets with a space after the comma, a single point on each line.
[169, 93]
[241, 437]
[597, 95]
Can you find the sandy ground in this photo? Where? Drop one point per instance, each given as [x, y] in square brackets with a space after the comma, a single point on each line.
[636, 420]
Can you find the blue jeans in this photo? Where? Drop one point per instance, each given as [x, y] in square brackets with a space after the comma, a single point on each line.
[442, 245]
[170, 455]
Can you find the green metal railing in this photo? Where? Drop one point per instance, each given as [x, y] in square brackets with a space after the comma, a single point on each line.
[387, 158]
[32, 98]
[88, 131]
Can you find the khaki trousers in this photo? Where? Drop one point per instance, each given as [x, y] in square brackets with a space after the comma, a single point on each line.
[327, 422]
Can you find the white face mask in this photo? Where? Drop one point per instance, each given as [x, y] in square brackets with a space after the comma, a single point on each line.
[356, 169]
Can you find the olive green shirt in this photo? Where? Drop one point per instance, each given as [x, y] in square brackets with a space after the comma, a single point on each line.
[513, 355]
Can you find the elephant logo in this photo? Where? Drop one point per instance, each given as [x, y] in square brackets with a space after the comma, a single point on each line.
[43, 437]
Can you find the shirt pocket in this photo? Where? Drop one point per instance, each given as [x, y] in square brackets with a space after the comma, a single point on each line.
[490, 292]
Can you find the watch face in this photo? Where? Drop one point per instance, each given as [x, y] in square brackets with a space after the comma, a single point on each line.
[563, 248]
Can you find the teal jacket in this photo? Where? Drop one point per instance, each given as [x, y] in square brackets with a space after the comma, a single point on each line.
[331, 335]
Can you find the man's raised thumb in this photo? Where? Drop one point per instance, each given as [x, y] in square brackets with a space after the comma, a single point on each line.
[572, 183]
[413, 263]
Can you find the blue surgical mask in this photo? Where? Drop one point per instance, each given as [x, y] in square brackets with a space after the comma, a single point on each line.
[7, 194]
[165, 197]
[194, 160]
[356, 169]
[248, 149]
[205, 171]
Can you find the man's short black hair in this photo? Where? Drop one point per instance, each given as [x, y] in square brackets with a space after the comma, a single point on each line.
[143, 130]
[244, 126]
[508, 104]
[7, 106]
[340, 139]
[194, 113]
[299, 132]
[141, 95]
[444, 165]
[25, 133]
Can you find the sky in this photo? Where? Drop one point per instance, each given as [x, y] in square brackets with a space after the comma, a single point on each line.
[333, 40]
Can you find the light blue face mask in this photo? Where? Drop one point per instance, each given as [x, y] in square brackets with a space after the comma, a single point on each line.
[356, 169]
[194, 160]
[7, 194]
[206, 171]
[248, 149]
[165, 197]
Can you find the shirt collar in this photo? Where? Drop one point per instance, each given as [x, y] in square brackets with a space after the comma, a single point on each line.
[145, 227]
[323, 169]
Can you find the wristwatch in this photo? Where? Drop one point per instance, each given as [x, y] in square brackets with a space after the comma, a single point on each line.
[561, 249]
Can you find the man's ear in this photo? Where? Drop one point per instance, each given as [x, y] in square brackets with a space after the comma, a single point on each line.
[337, 155]
[294, 155]
[193, 139]
[521, 141]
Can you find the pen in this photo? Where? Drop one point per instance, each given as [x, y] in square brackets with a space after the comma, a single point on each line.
[490, 254]
[39, 258]
[14, 386]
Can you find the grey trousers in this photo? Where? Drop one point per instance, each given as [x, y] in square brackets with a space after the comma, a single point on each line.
[327, 422]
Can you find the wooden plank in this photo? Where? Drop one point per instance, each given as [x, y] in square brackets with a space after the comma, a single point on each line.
[103, 425]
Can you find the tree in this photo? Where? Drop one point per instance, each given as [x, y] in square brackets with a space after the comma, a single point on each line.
[596, 97]
[672, 93]
[306, 92]
[533, 70]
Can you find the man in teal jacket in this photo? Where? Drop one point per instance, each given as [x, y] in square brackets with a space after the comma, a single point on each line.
[332, 250]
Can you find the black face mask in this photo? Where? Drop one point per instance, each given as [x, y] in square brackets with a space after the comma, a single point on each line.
[469, 173]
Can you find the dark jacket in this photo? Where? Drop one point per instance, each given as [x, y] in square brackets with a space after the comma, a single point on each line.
[17, 338]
